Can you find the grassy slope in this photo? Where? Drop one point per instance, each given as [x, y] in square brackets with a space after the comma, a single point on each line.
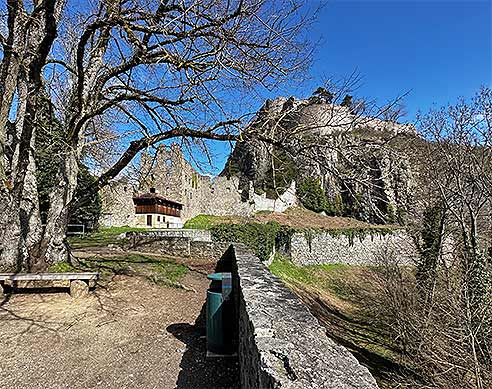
[293, 217]
[338, 295]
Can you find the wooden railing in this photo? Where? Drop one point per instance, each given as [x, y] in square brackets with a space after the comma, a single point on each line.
[155, 208]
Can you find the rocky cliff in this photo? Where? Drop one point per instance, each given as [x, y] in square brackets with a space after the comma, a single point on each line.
[360, 163]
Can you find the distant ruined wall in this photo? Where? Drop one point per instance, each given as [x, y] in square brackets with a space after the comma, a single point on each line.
[281, 344]
[117, 205]
[175, 179]
[325, 248]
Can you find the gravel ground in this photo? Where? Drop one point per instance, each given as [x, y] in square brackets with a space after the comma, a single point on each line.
[129, 333]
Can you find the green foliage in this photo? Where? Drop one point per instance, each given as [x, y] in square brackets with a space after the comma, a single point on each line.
[312, 195]
[50, 145]
[280, 175]
[86, 205]
[431, 235]
[401, 215]
[258, 237]
[390, 214]
[323, 95]
[194, 180]
[337, 207]
[359, 232]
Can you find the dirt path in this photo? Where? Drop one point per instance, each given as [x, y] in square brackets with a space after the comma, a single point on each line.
[129, 333]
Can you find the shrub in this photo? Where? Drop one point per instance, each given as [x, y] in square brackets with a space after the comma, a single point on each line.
[312, 195]
[258, 237]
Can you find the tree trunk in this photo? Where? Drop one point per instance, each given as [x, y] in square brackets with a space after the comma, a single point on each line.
[21, 69]
[53, 246]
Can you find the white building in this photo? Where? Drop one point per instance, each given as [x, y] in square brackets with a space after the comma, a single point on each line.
[154, 211]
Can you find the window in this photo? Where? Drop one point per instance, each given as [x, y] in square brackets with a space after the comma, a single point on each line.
[149, 220]
[158, 218]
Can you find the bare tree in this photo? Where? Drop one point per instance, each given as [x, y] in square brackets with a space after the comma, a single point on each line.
[157, 69]
[442, 315]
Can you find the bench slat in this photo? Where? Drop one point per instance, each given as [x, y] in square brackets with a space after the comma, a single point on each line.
[48, 276]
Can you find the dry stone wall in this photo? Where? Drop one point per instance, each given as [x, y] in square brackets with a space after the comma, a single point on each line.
[281, 344]
[317, 248]
[180, 243]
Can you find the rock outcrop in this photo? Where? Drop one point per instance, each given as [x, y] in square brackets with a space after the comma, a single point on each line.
[360, 161]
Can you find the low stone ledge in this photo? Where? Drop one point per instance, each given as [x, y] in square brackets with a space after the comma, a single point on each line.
[281, 344]
[181, 243]
[199, 235]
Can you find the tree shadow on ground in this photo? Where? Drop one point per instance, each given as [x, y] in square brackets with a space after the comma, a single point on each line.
[198, 371]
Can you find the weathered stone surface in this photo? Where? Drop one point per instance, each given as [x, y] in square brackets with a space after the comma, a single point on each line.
[78, 289]
[193, 234]
[324, 248]
[182, 243]
[280, 343]
[176, 179]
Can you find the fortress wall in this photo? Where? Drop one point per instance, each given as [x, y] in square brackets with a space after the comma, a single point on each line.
[281, 344]
[175, 179]
[117, 205]
[324, 248]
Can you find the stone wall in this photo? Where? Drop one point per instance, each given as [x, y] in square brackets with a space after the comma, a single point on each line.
[326, 248]
[281, 344]
[175, 179]
[180, 243]
[117, 204]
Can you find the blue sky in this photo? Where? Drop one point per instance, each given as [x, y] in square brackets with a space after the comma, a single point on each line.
[437, 50]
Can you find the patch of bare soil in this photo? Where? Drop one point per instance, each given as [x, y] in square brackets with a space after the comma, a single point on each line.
[129, 333]
[300, 217]
[304, 218]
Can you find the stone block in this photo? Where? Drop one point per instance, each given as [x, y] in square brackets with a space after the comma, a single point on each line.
[78, 289]
[281, 344]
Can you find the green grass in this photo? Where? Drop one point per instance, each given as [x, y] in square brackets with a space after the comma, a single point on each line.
[340, 295]
[158, 270]
[324, 277]
[62, 267]
[101, 237]
[203, 222]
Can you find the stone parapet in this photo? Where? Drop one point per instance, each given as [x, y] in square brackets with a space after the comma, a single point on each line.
[281, 344]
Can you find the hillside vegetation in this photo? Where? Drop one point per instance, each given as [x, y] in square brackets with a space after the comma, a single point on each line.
[341, 297]
[296, 217]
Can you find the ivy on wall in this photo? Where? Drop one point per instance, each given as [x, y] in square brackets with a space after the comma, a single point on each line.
[263, 238]
[258, 237]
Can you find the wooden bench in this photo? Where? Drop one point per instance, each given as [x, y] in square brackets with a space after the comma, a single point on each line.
[79, 282]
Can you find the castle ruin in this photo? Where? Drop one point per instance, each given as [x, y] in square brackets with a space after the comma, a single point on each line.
[174, 178]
